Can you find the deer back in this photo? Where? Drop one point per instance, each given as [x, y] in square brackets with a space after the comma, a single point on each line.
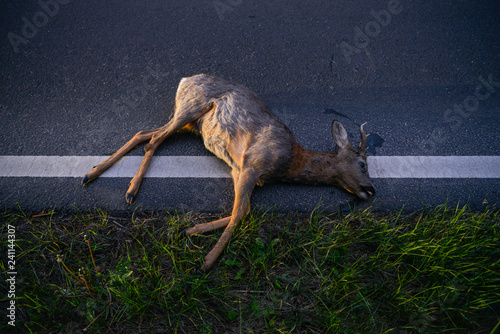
[239, 128]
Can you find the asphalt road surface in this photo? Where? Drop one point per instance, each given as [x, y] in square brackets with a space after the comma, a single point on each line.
[80, 78]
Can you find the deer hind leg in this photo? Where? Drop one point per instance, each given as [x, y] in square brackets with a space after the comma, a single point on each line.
[243, 188]
[184, 115]
[157, 138]
[139, 138]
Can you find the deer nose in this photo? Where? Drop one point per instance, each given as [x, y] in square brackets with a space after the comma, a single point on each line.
[367, 192]
[371, 191]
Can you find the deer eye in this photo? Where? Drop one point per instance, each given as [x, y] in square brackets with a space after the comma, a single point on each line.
[362, 165]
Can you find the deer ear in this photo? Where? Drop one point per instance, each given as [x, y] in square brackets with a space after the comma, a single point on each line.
[340, 135]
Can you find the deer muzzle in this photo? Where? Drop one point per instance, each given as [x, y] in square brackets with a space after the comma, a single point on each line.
[366, 192]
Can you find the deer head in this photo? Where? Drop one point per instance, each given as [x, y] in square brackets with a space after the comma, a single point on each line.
[351, 164]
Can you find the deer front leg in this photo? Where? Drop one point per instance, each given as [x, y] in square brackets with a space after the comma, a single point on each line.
[139, 138]
[207, 227]
[243, 190]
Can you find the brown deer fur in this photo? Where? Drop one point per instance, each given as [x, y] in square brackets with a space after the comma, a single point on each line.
[238, 127]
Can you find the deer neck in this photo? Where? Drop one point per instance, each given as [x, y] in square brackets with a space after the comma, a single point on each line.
[313, 168]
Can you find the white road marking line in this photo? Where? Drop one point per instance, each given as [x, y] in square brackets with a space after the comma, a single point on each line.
[435, 167]
[211, 167]
[78, 166]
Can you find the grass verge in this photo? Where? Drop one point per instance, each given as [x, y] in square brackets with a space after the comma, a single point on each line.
[432, 271]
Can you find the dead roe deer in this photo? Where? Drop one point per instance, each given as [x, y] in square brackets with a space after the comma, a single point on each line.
[239, 128]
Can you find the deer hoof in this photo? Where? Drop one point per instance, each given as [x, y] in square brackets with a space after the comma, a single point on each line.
[184, 232]
[206, 267]
[129, 198]
[86, 180]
